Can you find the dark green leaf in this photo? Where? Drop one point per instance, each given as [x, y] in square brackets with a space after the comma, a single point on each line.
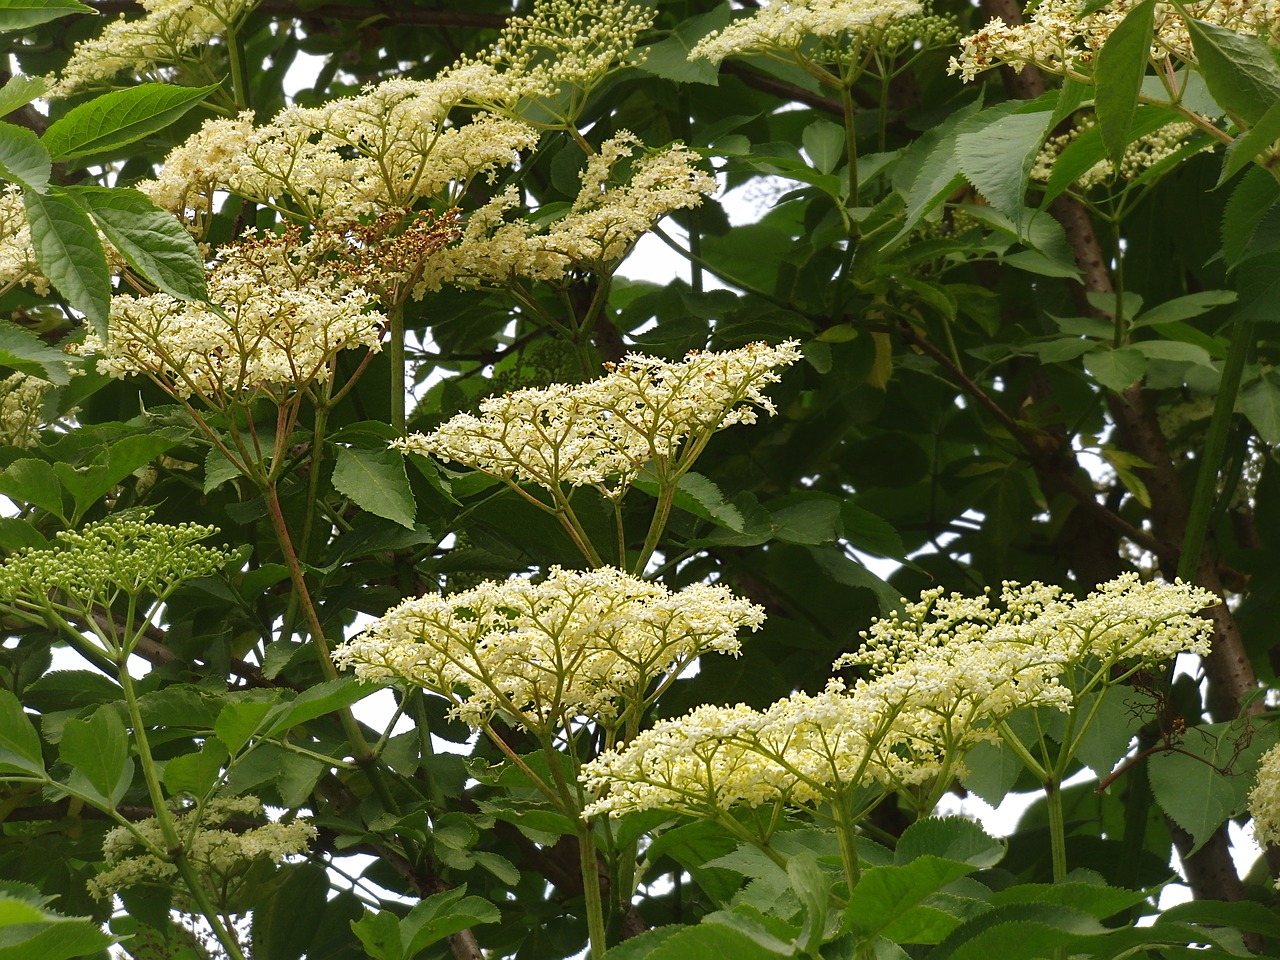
[1095, 899]
[19, 742]
[19, 91]
[1117, 370]
[20, 14]
[1241, 914]
[98, 750]
[810, 520]
[87, 484]
[1192, 792]
[28, 932]
[949, 838]
[196, 773]
[70, 255]
[824, 142]
[71, 689]
[285, 925]
[837, 565]
[23, 158]
[997, 157]
[1260, 402]
[34, 482]
[120, 117]
[669, 58]
[870, 533]
[237, 722]
[375, 480]
[323, 698]
[25, 352]
[1184, 308]
[1015, 931]
[886, 895]
[1248, 145]
[1122, 62]
[1238, 68]
[1252, 203]
[151, 240]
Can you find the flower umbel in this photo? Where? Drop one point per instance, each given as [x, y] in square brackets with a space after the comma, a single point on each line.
[579, 643]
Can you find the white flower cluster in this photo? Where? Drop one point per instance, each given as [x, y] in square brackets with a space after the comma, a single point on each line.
[944, 672]
[164, 35]
[22, 409]
[279, 317]
[601, 227]
[1056, 40]
[784, 26]
[644, 409]
[123, 554]
[1264, 800]
[210, 845]
[1141, 155]
[17, 254]
[577, 644]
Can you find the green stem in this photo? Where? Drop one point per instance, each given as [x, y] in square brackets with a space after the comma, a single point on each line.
[661, 513]
[395, 353]
[591, 890]
[1215, 446]
[1057, 828]
[850, 142]
[848, 844]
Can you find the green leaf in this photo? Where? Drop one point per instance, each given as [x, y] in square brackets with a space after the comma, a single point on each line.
[886, 895]
[841, 568]
[1185, 307]
[993, 771]
[237, 722]
[1260, 402]
[706, 941]
[1246, 147]
[1241, 914]
[19, 91]
[1015, 931]
[284, 926]
[1238, 68]
[997, 158]
[1195, 795]
[669, 58]
[1253, 201]
[23, 158]
[1122, 62]
[327, 697]
[1117, 370]
[387, 937]
[19, 742]
[34, 482]
[151, 240]
[23, 351]
[375, 480]
[809, 520]
[812, 885]
[699, 496]
[88, 484]
[98, 750]
[196, 773]
[28, 932]
[1095, 899]
[70, 690]
[928, 171]
[120, 117]
[870, 533]
[1258, 283]
[21, 14]
[824, 142]
[1107, 738]
[70, 255]
[950, 838]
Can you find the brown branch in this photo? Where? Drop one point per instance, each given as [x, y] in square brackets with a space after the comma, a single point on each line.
[780, 88]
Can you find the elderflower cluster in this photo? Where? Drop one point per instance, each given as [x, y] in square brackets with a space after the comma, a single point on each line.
[601, 227]
[1264, 800]
[943, 673]
[579, 643]
[277, 316]
[1141, 155]
[643, 409]
[213, 843]
[784, 26]
[17, 254]
[168, 31]
[22, 409]
[123, 554]
[1056, 40]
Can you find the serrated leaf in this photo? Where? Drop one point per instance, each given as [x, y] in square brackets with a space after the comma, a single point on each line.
[19, 91]
[669, 58]
[88, 484]
[1251, 202]
[375, 481]
[19, 742]
[70, 690]
[813, 520]
[151, 240]
[1107, 737]
[237, 722]
[31, 932]
[1117, 370]
[1260, 402]
[928, 171]
[316, 701]
[1252, 142]
[701, 497]
[1184, 308]
[1238, 68]
[21, 14]
[285, 923]
[120, 117]
[23, 158]
[1098, 900]
[70, 255]
[870, 533]
[1241, 914]
[1015, 931]
[824, 142]
[885, 895]
[949, 838]
[1192, 792]
[196, 773]
[34, 482]
[997, 158]
[993, 770]
[98, 750]
[836, 564]
[23, 351]
[1258, 283]
[1122, 62]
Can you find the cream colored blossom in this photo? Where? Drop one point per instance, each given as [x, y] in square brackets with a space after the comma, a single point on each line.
[1141, 155]
[18, 263]
[579, 643]
[1264, 800]
[21, 409]
[167, 32]
[281, 317]
[216, 846]
[784, 26]
[606, 219]
[1054, 39]
[643, 409]
[207, 161]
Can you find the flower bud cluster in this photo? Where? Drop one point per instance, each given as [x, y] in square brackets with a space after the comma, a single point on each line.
[123, 554]
[943, 673]
[218, 849]
[22, 409]
[642, 410]
[785, 26]
[1141, 155]
[1264, 800]
[541, 654]
[167, 32]
[17, 253]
